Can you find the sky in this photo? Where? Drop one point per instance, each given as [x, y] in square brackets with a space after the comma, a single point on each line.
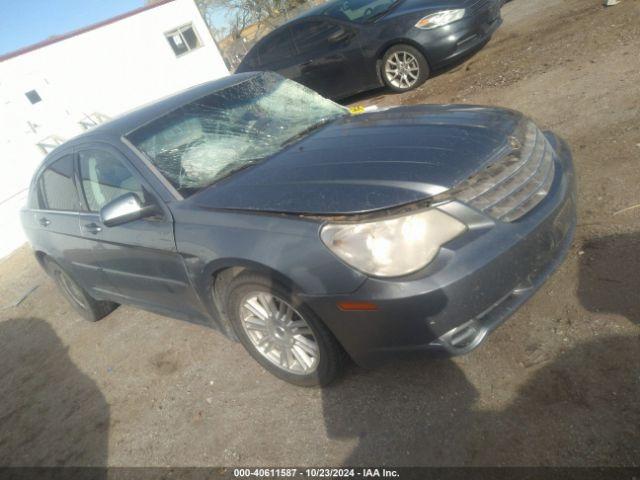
[24, 22]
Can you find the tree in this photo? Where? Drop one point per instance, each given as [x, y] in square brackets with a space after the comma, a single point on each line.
[240, 14]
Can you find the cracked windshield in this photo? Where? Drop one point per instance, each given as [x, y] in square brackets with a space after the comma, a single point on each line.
[210, 138]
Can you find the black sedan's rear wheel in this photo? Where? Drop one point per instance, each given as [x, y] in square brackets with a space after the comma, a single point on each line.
[88, 307]
[282, 334]
[404, 68]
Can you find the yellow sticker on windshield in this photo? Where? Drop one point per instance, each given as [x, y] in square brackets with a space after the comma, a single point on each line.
[356, 109]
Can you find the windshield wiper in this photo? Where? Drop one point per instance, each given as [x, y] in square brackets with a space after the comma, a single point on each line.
[378, 15]
[306, 131]
[235, 167]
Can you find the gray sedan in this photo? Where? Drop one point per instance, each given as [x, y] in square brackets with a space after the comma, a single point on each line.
[308, 233]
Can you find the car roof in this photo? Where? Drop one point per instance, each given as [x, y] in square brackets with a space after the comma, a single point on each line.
[129, 121]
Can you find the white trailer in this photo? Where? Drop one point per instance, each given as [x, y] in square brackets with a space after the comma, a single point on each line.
[62, 86]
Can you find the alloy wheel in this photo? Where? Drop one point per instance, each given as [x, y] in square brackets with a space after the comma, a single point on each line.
[402, 70]
[279, 333]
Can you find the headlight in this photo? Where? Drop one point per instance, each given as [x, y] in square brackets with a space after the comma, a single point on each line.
[439, 19]
[394, 247]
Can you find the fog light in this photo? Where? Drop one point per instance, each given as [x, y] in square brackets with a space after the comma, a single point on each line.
[463, 338]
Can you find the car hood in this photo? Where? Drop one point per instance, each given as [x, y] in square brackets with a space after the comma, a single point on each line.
[369, 162]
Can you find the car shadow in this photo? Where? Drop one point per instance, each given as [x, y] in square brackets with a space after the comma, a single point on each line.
[609, 279]
[580, 410]
[51, 413]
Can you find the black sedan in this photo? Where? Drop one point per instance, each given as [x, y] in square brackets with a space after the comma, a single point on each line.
[254, 205]
[348, 46]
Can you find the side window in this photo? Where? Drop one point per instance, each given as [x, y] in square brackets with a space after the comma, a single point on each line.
[311, 36]
[104, 178]
[276, 48]
[56, 189]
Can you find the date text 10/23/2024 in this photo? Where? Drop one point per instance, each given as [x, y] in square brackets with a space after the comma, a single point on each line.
[315, 473]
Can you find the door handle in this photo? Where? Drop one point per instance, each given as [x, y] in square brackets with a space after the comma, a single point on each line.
[44, 221]
[93, 228]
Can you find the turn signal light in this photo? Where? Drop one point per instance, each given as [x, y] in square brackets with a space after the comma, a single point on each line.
[357, 306]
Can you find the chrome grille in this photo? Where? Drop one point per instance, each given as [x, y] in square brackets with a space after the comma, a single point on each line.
[511, 187]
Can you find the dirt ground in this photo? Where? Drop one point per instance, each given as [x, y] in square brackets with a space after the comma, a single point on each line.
[558, 384]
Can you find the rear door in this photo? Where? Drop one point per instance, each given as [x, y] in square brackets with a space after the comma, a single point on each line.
[329, 58]
[54, 221]
[140, 257]
[276, 53]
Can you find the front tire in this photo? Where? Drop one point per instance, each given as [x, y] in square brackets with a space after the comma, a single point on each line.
[404, 68]
[88, 307]
[282, 334]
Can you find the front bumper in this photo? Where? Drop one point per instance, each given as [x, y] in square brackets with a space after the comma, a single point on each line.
[445, 45]
[474, 284]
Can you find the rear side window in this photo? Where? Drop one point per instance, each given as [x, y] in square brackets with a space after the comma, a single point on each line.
[56, 188]
[276, 48]
[104, 178]
[312, 36]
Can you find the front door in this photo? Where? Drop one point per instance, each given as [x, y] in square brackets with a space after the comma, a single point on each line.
[329, 58]
[140, 257]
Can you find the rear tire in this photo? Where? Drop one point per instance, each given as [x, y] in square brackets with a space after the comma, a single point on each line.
[404, 68]
[281, 333]
[88, 307]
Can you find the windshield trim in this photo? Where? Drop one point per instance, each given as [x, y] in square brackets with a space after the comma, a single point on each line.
[152, 168]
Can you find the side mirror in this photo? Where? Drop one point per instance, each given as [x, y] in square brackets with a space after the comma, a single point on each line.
[124, 209]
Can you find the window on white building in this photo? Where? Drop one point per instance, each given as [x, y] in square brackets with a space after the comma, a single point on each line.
[183, 39]
[33, 96]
